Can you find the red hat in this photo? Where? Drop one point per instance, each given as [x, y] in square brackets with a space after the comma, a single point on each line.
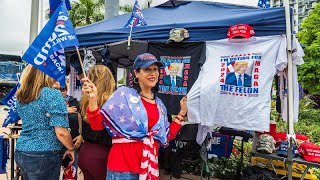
[282, 136]
[310, 152]
[242, 30]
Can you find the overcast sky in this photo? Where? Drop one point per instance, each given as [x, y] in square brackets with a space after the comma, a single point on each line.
[15, 21]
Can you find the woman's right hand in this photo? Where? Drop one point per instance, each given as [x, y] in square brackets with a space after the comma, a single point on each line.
[183, 106]
[89, 88]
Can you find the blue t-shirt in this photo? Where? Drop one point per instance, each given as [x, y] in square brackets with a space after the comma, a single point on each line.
[39, 118]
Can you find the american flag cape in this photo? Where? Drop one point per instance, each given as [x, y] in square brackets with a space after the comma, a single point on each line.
[125, 117]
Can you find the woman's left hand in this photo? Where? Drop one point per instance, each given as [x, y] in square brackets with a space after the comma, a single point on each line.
[72, 109]
[77, 141]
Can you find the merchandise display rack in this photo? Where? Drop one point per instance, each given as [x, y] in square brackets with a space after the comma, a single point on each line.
[274, 156]
[298, 160]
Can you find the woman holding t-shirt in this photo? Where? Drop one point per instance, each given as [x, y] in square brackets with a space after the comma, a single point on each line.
[137, 121]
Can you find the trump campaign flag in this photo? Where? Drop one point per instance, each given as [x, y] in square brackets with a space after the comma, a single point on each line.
[264, 4]
[54, 4]
[10, 101]
[46, 51]
[136, 18]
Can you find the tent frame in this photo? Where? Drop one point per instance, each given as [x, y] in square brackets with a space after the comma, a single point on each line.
[290, 133]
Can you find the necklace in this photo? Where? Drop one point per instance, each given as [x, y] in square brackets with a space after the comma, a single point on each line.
[151, 97]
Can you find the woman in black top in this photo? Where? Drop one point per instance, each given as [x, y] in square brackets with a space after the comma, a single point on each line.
[94, 152]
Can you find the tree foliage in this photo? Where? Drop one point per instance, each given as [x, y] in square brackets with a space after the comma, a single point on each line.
[309, 72]
[126, 8]
[86, 12]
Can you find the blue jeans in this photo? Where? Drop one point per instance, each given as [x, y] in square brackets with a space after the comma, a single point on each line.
[112, 175]
[39, 165]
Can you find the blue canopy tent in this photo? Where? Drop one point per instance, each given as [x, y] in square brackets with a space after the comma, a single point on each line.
[204, 21]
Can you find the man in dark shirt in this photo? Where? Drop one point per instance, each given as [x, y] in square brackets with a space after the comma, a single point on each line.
[75, 124]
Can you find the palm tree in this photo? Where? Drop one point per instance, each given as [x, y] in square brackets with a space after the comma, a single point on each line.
[86, 12]
[128, 8]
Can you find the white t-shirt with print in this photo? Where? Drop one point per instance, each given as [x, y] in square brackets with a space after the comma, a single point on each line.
[215, 98]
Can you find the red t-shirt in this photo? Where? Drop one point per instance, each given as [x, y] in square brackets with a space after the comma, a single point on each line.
[126, 157]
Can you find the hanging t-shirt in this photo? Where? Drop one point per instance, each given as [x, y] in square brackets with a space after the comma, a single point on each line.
[235, 83]
[297, 59]
[182, 62]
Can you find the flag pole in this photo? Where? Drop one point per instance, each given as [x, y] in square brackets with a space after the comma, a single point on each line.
[129, 38]
[81, 64]
[290, 132]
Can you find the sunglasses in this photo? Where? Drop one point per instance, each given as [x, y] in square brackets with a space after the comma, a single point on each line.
[63, 89]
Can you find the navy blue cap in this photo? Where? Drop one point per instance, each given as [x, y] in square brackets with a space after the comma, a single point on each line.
[145, 60]
[283, 149]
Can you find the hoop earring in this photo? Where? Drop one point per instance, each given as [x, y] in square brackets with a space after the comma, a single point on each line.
[135, 80]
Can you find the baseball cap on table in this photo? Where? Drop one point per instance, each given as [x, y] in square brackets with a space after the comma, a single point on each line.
[178, 34]
[283, 149]
[282, 136]
[266, 144]
[310, 152]
[240, 30]
[145, 60]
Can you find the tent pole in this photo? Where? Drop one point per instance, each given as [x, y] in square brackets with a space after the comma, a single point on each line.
[290, 88]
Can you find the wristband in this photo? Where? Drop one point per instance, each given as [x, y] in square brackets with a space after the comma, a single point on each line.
[179, 119]
[182, 115]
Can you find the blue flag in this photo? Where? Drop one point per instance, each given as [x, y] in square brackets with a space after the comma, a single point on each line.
[264, 4]
[54, 4]
[10, 101]
[136, 18]
[46, 51]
